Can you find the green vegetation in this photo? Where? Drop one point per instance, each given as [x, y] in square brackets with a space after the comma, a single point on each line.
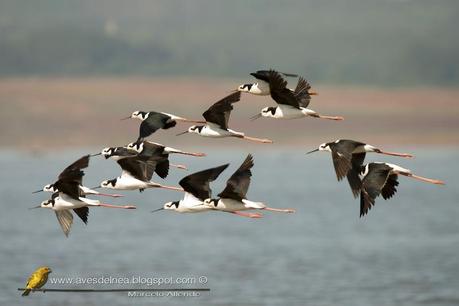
[378, 42]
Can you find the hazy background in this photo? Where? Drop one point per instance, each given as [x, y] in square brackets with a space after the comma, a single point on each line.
[69, 70]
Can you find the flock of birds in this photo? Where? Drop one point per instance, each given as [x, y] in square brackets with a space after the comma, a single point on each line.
[139, 160]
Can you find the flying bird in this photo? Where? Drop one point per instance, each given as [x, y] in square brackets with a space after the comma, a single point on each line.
[233, 198]
[137, 172]
[217, 117]
[382, 179]
[150, 149]
[290, 104]
[348, 156]
[261, 88]
[62, 204]
[197, 189]
[153, 121]
[70, 181]
[37, 279]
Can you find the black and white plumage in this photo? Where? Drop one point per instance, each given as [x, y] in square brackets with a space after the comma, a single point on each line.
[62, 205]
[291, 104]
[70, 179]
[261, 87]
[382, 179]
[150, 149]
[137, 172]
[153, 121]
[348, 157]
[217, 117]
[233, 198]
[197, 189]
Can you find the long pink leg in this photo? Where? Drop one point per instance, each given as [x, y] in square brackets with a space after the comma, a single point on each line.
[183, 167]
[287, 210]
[428, 180]
[170, 187]
[262, 140]
[115, 195]
[338, 118]
[396, 154]
[116, 206]
[191, 153]
[249, 215]
[190, 120]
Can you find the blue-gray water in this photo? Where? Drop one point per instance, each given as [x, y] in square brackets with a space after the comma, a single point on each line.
[405, 252]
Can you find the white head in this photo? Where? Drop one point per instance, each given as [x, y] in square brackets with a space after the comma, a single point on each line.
[108, 184]
[172, 205]
[107, 152]
[252, 88]
[265, 112]
[139, 115]
[47, 204]
[323, 147]
[50, 188]
[210, 202]
[196, 129]
[136, 146]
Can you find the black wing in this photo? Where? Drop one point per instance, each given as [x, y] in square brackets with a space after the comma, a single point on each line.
[198, 183]
[238, 184]
[137, 168]
[83, 213]
[390, 188]
[264, 75]
[302, 92]
[279, 91]
[152, 149]
[353, 174]
[372, 184]
[162, 168]
[220, 111]
[154, 122]
[342, 156]
[71, 178]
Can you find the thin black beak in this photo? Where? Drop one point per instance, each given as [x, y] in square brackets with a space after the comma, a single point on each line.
[39, 206]
[181, 133]
[37, 191]
[126, 118]
[97, 154]
[157, 209]
[96, 187]
[255, 117]
[312, 151]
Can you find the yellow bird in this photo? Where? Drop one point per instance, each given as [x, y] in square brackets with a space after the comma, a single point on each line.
[37, 279]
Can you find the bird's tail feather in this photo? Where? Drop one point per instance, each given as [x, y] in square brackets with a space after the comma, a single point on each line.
[26, 292]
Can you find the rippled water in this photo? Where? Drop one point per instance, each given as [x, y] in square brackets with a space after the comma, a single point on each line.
[405, 252]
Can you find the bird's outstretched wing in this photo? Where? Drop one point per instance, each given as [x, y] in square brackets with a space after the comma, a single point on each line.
[198, 184]
[302, 92]
[264, 75]
[154, 122]
[220, 111]
[141, 170]
[238, 184]
[83, 213]
[279, 91]
[353, 174]
[72, 177]
[372, 185]
[65, 219]
[390, 188]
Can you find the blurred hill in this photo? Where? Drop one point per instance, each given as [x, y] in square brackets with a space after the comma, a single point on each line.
[50, 114]
[378, 42]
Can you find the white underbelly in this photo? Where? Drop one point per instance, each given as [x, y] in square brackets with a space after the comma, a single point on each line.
[230, 205]
[288, 112]
[214, 131]
[130, 183]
